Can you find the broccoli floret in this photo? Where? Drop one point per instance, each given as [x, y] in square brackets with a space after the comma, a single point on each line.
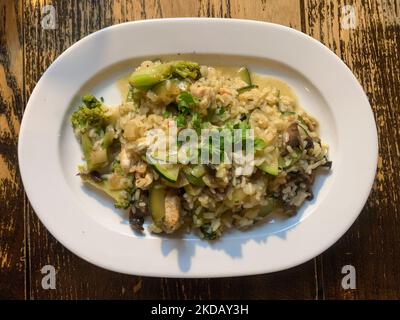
[186, 69]
[147, 77]
[122, 198]
[91, 102]
[123, 201]
[91, 114]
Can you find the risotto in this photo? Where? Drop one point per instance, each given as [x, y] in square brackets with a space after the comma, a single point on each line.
[200, 148]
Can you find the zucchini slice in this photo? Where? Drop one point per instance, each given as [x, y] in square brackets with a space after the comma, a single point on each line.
[271, 168]
[198, 171]
[195, 181]
[271, 163]
[168, 171]
[121, 198]
[157, 202]
[244, 74]
[180, 183]
[194, 176]
[246, 88]
[269, 207]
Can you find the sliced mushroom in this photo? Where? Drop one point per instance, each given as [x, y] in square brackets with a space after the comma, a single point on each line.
[136, 223]
[309, 142]
[96, 176]
[292, 135]
[327, 164]
[136, 219]
[306, 179]
[301, 177]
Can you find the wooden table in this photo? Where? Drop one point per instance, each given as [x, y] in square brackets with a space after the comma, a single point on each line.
[370, 46]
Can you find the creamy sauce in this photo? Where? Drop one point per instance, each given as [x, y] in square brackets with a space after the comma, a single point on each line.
[260, 80]
[123, 86]
[283, 87]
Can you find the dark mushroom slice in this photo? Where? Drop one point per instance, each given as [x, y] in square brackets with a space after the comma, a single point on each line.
[136, 219]
[327, 164]
[292, 136]
[307, 179]
[309, 143]
[96, 176]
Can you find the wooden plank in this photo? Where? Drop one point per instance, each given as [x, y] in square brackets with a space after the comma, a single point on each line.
[75, 277]
[372, 51]
[285, 12]
[12, 216]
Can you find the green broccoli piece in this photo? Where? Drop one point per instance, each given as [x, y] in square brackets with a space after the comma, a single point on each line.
[186, 69]
[91, 114]
[122, 198]
[91, 102]
[123, 201]
[147, 77]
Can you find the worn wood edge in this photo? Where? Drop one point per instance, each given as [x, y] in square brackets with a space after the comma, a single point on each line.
[371, 53]
[12, 248]
[170, 288]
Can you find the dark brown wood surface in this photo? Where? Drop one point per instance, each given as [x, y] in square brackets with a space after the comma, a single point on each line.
[372, 51]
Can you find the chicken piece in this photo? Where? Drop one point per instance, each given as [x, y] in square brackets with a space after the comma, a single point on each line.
[139, 167]
[143, 181]
[172, 216]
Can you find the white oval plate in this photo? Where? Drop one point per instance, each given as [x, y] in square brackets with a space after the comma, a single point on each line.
[88, 225]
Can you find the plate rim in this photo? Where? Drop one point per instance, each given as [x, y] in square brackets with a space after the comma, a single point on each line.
[23, 164]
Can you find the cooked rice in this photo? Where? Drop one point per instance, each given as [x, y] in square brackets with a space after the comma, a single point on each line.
[227, 199]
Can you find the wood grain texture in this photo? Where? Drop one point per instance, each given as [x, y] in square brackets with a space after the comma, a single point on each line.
[12, 235]
[372, 245]
[78, 279]
[372, 51]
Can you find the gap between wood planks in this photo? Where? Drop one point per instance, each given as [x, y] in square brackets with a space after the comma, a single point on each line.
[317, 18]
